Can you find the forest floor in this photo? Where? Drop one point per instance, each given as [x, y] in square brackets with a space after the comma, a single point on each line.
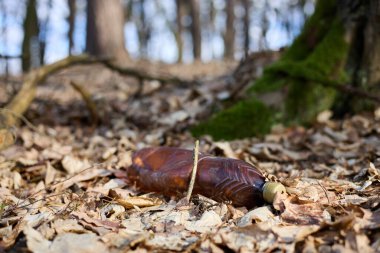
[62, 187]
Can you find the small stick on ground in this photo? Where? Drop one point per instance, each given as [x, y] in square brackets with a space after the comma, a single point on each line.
[91, 106]
[194, 171]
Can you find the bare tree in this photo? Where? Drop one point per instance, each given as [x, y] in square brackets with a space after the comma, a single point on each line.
[371, 55]
[105, 29]
[229, 36]
[43, 24]
[178, 34]
[71, 21]
[196, 28]
[246, 25]
[4, 29]
[144, 28]
[30, 43]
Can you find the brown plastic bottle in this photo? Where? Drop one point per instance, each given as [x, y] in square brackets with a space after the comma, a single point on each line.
[168, 170]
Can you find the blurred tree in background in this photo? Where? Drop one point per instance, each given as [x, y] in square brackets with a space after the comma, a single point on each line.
[105, 29]
[170, 30]
[31, 52]
[336, 57]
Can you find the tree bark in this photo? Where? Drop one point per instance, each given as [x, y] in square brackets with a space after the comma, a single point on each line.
[144, 31]
[371, 57]
[71, 21]
[246, 26]
[105, 29]
[178, 34]
[196, 29]
[30, 44]
[229, 37]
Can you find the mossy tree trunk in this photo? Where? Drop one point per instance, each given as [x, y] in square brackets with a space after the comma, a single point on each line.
[339, 45]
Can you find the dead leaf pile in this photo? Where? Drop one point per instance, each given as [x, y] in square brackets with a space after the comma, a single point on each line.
[62, 188]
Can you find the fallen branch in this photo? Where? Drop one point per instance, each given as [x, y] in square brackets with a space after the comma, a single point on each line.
[194, 171]
[20, 103]
[144, 75]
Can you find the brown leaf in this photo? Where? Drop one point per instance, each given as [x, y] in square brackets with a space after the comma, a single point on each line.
[139, 201]
[7, 138]
[296, 211]
[114, 226]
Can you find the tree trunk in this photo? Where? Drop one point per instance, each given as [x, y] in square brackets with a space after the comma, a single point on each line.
[229, 37]
[246, 26]
[371, 56]
[30, 44]
[105, 29]
[336, 53]
[196, 28]
[43, 33]
[71, 21]
[144, 31]
[178, 34]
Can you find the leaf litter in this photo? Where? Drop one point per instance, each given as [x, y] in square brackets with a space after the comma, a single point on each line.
[62, 186]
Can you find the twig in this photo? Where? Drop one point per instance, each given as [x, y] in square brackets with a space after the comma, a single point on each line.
[194, 171]
[91, 106]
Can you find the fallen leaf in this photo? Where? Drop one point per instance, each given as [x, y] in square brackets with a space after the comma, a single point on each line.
[257, 215]
[79, 243]
[294, 233]
[111, 225]
[298, 212]
[139, 201]
[74, 165]
[35, 241]
[209, 220]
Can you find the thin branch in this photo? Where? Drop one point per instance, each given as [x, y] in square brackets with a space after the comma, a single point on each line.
[91, 106]
[194, 171]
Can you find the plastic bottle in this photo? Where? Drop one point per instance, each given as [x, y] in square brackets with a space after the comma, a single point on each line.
[167, 170]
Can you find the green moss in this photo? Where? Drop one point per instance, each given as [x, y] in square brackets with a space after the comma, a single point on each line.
[308, 82]
[305, 74]
[246, 118]
[305, 100]
[314, 30]
[324, 64]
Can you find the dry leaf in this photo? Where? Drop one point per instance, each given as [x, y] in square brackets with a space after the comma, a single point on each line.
[74, 165]
[139, 201]
[209, 221]
[79, 243]
[227, 150]
[67, 225]
[35, 241]
[294, 233]
[296, 211]
[257, 215]
[111, 225]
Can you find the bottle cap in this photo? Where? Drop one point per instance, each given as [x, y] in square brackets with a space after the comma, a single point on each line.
[270, 189]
